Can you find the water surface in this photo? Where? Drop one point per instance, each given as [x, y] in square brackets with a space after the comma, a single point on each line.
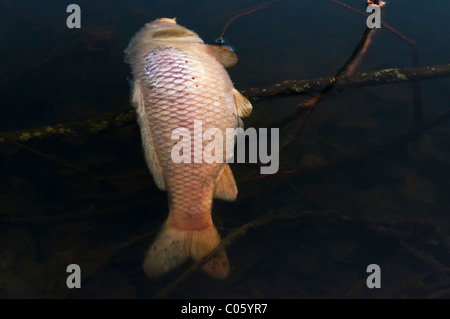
[387, 205]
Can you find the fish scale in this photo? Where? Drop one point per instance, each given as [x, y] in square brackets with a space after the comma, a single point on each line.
[178, 106]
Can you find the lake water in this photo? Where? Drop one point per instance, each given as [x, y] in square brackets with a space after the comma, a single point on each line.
[356, 188]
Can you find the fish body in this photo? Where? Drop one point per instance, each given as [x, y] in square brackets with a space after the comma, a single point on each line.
[178, 82]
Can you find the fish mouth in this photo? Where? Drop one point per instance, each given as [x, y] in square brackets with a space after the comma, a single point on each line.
[168, 20]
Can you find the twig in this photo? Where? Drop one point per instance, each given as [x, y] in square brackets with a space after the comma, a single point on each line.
[133, 240]
[103, 122]
[306, 108]
[21, 14]
[381, 77]
[385, 229]
[96, 178]
[351, 159]
[439, 294]
[417, 90]
[60, 162]
[364, 50]
[425, 258]
[64, 218]
[244, 13]
[235, 234]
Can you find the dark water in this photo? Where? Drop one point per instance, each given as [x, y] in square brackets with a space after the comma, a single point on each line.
[87, 200]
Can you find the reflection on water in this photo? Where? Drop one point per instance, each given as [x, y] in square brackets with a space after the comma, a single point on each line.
[379, 196]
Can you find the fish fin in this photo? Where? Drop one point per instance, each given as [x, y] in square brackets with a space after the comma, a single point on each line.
[223, 54]
[241, 123]
[225, 186]
[147, 140]
[172, 247]
[203, 242]
[169, 250]
[243, 106]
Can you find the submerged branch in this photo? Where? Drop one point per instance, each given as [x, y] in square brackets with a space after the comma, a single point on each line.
[383, 229]
[305, 109]
[234, 235]
[114, 120]
[386, 76]
[417, 91]
[102, 122]
[244, 13]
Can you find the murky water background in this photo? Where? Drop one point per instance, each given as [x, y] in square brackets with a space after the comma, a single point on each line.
[389, 207]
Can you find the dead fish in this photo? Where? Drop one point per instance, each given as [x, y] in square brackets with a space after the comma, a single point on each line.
[177, 79]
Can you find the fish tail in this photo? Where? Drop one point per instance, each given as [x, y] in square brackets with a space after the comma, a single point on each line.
[202, 242]
[173, 246]
[169, 250]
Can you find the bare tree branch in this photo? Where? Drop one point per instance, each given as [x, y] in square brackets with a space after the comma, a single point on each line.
[386, 76]
[114, 120]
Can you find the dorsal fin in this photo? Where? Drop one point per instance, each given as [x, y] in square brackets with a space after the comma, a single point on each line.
[223, 54]
[243, 106]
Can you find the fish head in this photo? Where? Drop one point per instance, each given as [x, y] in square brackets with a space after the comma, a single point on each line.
[160, 32]
[167, 30]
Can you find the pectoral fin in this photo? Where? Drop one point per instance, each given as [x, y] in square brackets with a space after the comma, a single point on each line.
[223, 54]
[147, 141]
[241, 123]
[225, 188]
[243, 106]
